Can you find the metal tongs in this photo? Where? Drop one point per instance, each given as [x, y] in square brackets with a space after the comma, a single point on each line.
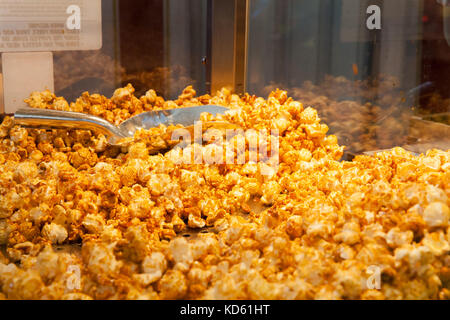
[51, 119]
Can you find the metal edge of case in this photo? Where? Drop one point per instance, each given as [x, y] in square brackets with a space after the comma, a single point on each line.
[228, 22]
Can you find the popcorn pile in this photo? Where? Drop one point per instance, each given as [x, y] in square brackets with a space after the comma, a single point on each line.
[374, 228]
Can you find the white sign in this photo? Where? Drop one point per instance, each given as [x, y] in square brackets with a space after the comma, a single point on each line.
[50, 25]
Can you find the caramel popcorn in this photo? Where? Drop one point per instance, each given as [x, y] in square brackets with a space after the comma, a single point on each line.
[309, 227]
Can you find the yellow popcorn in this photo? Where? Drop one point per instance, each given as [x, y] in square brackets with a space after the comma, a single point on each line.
[436, 214]
[54, 233]
[307, 227]
[173, 285]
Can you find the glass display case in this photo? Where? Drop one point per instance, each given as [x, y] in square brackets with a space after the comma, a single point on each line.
[371, 87]
[327, 175]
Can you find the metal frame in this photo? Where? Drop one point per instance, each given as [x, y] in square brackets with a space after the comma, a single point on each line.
[227, 65]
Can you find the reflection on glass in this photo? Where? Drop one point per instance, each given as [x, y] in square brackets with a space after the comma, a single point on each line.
[151, 44]
[366, 84]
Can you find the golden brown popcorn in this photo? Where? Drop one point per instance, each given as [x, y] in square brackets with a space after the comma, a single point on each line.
[93, 223]
[25, 171]
[4, 231]
[54, 233]
[349, 234]
[294, 226]
[304, 226]
[437, 243]
[172, 285]
[154, 266]
[396, 238]
[270, 190]
[99, 259]
[76, 296]
[436, 214]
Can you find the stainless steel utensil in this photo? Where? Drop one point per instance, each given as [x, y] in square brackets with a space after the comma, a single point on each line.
[48, 119]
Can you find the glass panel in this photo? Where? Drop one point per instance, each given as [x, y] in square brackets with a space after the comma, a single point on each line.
[150, 44]
[366, 84]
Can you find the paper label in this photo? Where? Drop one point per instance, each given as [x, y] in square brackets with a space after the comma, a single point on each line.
[50, 25]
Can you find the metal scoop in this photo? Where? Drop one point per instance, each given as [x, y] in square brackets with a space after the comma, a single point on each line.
[50, 119]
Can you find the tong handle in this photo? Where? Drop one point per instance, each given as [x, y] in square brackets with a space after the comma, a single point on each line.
[52, 119]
